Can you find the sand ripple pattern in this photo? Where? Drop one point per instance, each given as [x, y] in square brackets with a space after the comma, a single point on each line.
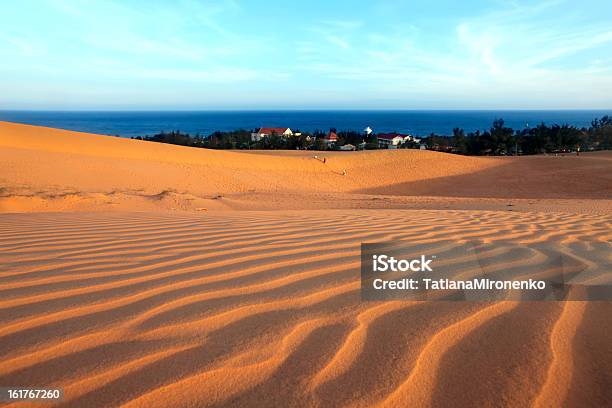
[263, 309]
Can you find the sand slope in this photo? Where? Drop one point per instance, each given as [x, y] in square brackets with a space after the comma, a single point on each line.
[45, 169]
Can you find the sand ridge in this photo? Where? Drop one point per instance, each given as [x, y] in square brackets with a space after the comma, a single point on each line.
[46, 169]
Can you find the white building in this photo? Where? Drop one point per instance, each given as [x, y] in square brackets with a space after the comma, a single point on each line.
[348, 147]
[392, 140]
[268, 131]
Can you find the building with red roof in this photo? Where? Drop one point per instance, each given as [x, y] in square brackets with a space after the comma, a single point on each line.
[268, 131]
[331, 137]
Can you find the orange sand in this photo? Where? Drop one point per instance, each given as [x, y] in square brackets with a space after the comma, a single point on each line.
[55, 170]
[155, 283]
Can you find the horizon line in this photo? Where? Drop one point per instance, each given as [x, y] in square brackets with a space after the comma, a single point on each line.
[318, 110]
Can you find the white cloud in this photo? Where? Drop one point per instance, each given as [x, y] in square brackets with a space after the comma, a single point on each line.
[338, 41]
[503, 51]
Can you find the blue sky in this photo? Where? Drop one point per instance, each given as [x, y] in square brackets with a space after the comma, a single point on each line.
[64, 54]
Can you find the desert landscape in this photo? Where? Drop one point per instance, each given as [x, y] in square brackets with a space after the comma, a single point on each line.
[142, 274]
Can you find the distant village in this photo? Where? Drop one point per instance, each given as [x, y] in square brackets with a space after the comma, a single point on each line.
[331, 141]
[498, 140]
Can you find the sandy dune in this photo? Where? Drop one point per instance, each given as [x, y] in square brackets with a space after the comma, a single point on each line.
[47, 169]
[169, 305]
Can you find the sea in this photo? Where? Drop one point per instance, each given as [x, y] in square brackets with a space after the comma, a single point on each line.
[415, 122]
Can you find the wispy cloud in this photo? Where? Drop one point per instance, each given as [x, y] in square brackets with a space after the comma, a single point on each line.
[339, 41]
[441, 51]
[510, 45]
[337, 32]
[343, 24]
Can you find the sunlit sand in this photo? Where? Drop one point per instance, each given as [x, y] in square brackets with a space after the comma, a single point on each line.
[146, 274]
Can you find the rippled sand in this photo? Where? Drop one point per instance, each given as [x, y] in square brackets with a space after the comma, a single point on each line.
[231, 307]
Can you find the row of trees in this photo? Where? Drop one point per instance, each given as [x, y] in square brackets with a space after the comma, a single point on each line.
[498, 140]
[502, 140]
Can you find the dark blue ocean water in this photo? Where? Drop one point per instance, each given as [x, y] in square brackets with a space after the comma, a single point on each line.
[419, 123]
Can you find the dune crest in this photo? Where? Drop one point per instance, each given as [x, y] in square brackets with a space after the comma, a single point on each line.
[46, 169]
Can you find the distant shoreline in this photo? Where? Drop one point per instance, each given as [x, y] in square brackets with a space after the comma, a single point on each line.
[419, 123]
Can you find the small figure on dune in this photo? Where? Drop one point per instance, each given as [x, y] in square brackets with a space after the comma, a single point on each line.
[324, 160]
[344, 172]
